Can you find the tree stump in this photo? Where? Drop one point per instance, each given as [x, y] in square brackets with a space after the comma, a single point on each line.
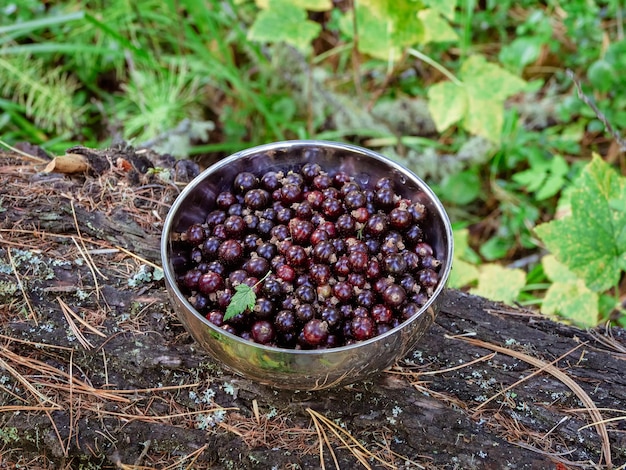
[97, 372]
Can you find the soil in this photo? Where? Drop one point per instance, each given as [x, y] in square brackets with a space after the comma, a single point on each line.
[97, 372]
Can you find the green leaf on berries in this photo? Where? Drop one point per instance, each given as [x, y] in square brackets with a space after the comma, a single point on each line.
[498, 283]
[568, 296]
[243, 299]
[283, 21]
[479, 101]
[591, 241]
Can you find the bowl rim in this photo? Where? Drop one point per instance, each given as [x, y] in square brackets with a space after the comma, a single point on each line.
[286, 144]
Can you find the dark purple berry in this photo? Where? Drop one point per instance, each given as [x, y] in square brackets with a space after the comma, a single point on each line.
[195, 234]
[244, 182]
[301, 230]
[210, 282]
[257, 199]
[225, 199]
[428, 278]
[394, 264]
[263, 308]
[257, 266]
[400, 219]
[304, 313]
[216, 317]
[394, 295]
[234, 226]
[381, 313]
[230, 251]
[362, 328]
[376, 225]
[262, 332]
[319, 273]
[285, 321]
[190, 279]
[343, 291]
[315, 332]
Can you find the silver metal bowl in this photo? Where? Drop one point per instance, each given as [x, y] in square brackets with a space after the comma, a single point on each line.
[288, 368]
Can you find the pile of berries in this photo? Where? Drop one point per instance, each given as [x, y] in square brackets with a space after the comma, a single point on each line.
[329, 261]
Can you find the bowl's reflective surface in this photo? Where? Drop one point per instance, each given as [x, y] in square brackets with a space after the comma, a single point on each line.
[302, 369]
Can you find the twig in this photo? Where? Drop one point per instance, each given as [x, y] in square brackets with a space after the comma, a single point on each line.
[23, 154]
[68, 313]
[90, 262]
[600, 115]
[137, 257]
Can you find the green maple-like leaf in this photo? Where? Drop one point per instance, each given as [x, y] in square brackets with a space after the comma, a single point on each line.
[386, 27]
[243, 299]
[479, 100]
[283, 21]
[591, 241]
[498, 283]
[568, 296]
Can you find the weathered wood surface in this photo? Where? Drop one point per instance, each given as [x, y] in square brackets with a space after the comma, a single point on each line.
[489, 386]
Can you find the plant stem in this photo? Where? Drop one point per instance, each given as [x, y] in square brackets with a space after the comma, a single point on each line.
[436, 65]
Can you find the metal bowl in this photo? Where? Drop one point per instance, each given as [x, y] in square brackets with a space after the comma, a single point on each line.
[288, 368]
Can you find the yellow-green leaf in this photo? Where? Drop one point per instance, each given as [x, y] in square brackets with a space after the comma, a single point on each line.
[462, 274]
[568, 296]
[283, 21]
[447, 103]
[557, 272]
[488, 81]
[479, 104]
[386, 27]
[573, 301]
[311, 5]
[436, 29]
[484, 117]
[498, 283]
[445, 7]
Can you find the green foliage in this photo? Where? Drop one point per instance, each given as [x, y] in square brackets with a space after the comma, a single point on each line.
[48, 97]
[591, 241]
[545, 177]
[478, 102]
[284, 21]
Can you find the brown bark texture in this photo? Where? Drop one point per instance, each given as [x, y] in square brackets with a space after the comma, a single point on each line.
[97, 372]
